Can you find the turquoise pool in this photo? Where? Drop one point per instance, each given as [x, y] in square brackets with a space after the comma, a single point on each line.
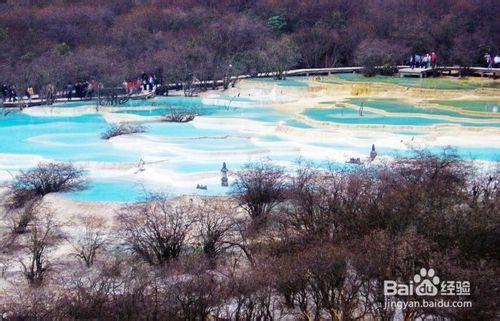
[471, 105]
[110, 191]
[191, 153]
[288, 82]
[350, 116]
[264, 114]
[429, 83]
[394, 106]
[74, 139]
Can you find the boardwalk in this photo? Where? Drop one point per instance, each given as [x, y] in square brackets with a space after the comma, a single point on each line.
[424, 72]
[419, 72]
[36, 101]
[403, 71]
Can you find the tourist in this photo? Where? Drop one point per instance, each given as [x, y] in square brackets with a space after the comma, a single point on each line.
[496, 61]
[69, 90]
[425, 60]
[51, 90]
[150, 82]
[417, 60]
[29, 93]
[131, 87]
[12, 94]
[412, 61]
[5, 92]
[83, 88]
[138, 85]
[144, 81]
[77, 89]
[434, 59]
[489, 61]
[88, 89]
[91, 88]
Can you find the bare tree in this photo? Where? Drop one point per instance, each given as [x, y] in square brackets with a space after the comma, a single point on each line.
[123, 129]
[44, 179]
[21, 217]
[283, 54]
[216, 227]
[252, 294]
[259, 188]
[312, 204]
[191, 86]
[177, 115]
[91, 240]
[44, 234]
[197, 294]
[155, 230]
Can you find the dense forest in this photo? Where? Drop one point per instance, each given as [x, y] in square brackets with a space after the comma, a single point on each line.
[109, 41]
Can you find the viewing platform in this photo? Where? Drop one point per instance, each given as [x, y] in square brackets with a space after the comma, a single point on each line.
[418, 72]
[448, 70]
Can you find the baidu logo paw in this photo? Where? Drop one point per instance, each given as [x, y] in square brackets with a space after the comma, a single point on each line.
[426, 282]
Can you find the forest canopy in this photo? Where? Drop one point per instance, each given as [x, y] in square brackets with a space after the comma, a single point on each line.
[109, 41]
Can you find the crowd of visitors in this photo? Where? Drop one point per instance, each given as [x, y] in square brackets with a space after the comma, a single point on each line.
[149, 82]
[82, 89]
[9, 93]
[492, 62]
[145, 82]
[85, 89]
[423, 61]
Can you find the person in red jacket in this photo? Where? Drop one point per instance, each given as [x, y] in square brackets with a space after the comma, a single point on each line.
[434, 59]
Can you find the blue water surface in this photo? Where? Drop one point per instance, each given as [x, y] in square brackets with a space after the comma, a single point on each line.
[59, 138]
[78, 138]
[352, 116]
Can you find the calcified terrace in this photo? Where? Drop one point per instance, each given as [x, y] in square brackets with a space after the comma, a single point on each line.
[326, 120]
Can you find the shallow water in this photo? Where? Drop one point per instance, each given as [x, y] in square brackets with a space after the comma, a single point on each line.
[236, 130]
[110, 191]
[342, 115]
[395, 106]
[288, 82]
[428, 83]
[471, 105]
[74, 139]
[254, 113]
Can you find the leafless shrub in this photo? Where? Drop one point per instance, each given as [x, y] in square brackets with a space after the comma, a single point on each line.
[318, 283]
[44, 179]
[87, 244]
[252, 295]
[332, 240]
[21, 217]
[92, 293]
[29, 303]
[123, 129]
[155, 230]
[259, 188]
[312, 204]
[44, 233]
[197, 293]
[381, 256]
[216, 228]
[178, 115]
